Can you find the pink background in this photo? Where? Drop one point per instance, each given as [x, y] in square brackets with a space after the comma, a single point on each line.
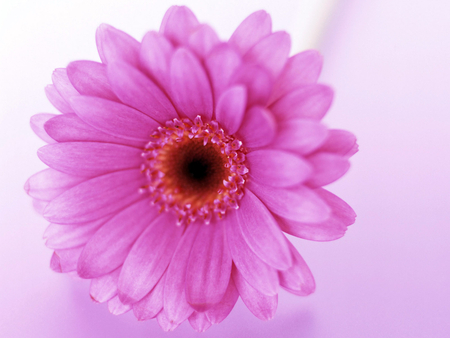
[389, 62]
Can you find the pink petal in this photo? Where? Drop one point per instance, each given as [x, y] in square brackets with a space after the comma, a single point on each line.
[255, 27]
[138, 91]
[89, 78]
[149, 306]
[209, 268]
[203, 40]
[299, 69]
[149, 258]
[114, 118]
[57, 100]
[271, 52]
[340, 142]
[65, 260]
[342, 215]
[49, 183]
[96, 197]
[258, 128]
[178, 23]
[300, 135]
[190, 86]
[327, 168]
[166, 324]
[221, 310]
[175, 305]
[199, 321]
[277, 168]
[64, 236]
[262, 306]
[115, 45]
[298, 279]
[298, 203]
[116, 307]
[37, 125]
[63, 85]
[258, 82]
[104, 288]
[39, 206]
[155, 55]
[111, 244]
[89, 159]
[70, 128]
[261, 232]
[257, 273]
[231, 107]
[308, 101]
[222, 63]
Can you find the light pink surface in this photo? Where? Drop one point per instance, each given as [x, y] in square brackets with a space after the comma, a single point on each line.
[388, 276]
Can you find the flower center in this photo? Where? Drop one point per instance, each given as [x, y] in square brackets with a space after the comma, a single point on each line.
[195, 169]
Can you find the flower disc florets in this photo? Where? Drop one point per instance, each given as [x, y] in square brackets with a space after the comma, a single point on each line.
[195, 169]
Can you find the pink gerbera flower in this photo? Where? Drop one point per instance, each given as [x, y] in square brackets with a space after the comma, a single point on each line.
[178, 163]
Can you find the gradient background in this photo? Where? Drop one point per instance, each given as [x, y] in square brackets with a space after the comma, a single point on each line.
[389, 62]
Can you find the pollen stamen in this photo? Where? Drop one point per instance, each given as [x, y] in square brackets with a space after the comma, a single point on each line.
[194, 169]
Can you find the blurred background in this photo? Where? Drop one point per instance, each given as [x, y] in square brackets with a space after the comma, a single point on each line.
[389, 63]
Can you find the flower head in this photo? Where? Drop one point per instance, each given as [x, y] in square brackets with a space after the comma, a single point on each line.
[179, 161]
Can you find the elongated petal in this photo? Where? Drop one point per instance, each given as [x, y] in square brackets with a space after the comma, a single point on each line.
[116, 307]
[258, 82]
[271, 52]
[255, 27]
[209, 268]
[231, 107]
[149, 306]
[57, 100]
[261, 232]
[277, 168]
[258, 128]
[70, 128]
[327, 168]
[114, 118]
[298, 279]
[190, 86]
[65, 236]
[308, 101]
[115, 45]
[299, 69]
[262, 306]
[96, 197]
[257, 273]
[340, 142]
[300, 135]
[104, 288]
[299, 203]
[222, 63]
[221, 310]
[89, 159]
[138, 91]
[342, 215]
[63, 85]
[203, 40]
[166, 324]
[49, 183]
[155, 55]
[175, 305]
[199, 321]
[89, 78]
[37, 125]
[149, 258]
[178, 23]
[111, 244]
[65, 260]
